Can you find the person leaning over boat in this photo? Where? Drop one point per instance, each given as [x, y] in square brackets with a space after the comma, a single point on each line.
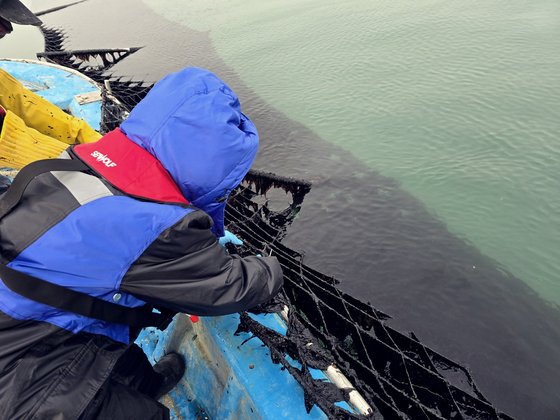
[133, 220]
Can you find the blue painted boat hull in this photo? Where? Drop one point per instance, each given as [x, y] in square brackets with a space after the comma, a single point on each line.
[62, 87]
[227, 377]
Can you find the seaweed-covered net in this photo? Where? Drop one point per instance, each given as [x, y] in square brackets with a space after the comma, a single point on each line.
[396, 375]
[119, 95]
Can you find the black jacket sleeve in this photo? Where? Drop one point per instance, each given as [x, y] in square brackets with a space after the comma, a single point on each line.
[186, 269]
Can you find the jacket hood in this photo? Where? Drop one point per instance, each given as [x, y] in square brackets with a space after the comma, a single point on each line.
[192, 123]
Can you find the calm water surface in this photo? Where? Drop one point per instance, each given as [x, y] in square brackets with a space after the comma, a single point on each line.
[460, 102]
[431, 131]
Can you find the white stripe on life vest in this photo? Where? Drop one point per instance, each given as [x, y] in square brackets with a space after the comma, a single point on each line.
[83, 187]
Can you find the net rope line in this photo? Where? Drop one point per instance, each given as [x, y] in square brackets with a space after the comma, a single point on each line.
[306, 274]
[332, 372]
[288, 267]
[300, 269]
[338, 378]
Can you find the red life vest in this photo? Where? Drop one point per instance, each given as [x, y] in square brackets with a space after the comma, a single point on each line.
[130, 168]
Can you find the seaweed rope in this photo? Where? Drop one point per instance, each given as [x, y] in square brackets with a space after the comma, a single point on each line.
[397, 376]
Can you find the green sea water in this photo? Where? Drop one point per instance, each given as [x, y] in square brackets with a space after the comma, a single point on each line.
[458, 101]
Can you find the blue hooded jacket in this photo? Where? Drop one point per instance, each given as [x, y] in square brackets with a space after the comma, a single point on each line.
[122, 232]
[192, 123]
[86, 235]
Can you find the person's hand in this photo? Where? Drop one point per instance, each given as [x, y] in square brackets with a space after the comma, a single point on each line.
[229, 238]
